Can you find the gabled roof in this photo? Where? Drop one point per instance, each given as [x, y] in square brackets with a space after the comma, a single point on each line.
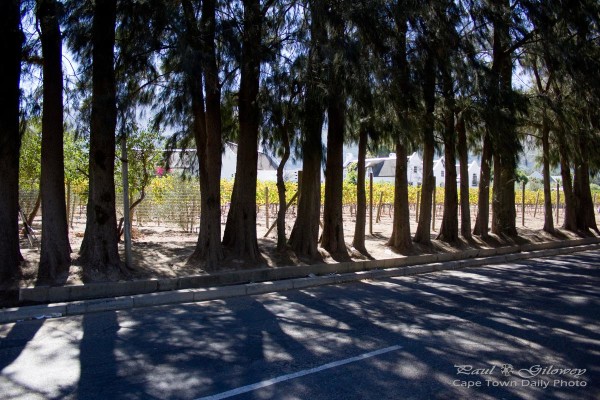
[264, 162]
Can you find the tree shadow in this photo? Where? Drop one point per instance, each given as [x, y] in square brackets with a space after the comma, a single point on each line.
[523, 328]
[99, 367]
[13, 344]
[536, 312]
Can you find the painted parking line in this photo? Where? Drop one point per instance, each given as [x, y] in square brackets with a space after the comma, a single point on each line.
[283, 378]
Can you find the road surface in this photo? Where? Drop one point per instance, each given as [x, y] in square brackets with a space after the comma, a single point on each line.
[520, 330]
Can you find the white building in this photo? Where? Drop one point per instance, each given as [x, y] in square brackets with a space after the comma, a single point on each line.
[554, 179]
[536, 175]
[185, 160]
[439, 171]
[384, 168]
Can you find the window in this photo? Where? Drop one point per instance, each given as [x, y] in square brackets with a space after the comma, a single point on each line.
[415, 169]
[442, 173]
[474, 181]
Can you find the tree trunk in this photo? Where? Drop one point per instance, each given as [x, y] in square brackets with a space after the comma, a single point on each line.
[240, 229]
[55, 256]
[496, 189]
[281, 237]
[505, 214]
[570, 214]
[503, 127]
[545, 131]
[333, 221]
[99, 251]
[305, 233]
[332, 239]
[449, 228]
[10, 140]
[548, 220]
[36, 208]
[423, 233]
[586, 216]
[465, 207]
[361, 196]
[207, 132]
[132, 207]
[483, 202]
[400, 239]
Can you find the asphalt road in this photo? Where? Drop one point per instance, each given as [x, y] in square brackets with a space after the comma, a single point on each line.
[521, 330]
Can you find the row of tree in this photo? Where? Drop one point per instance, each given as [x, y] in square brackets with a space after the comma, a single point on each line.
[397, 73]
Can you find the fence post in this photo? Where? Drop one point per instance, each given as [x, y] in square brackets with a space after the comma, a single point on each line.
[72, 217]
[434, 205]
[537, 197]
[69, 219]
[417, 205]
[299, 185]
[371, 203]
[127, 222]
[267, 205]
[379, 208]
[523, 204]
[557, 200]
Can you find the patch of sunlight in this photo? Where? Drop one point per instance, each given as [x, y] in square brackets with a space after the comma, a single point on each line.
[48, 363]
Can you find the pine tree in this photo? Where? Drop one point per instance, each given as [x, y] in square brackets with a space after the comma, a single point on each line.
[10, 139]
[99, 252]
[206, 114]
[55, 255]
[332, 238]
[448, 17]
[305, 233]
[240, 230]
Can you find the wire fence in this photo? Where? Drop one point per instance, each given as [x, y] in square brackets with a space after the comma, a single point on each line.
[179, 207]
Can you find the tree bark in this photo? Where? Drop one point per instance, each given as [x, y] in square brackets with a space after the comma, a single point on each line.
[449, 228]
[240, 230]
[545, 131]
[281, 237]
[333, 223]
[496, 190]
[36, 208]
[423, 233]
[55, 256]
[305, 233]
[503, 127]
[465, 207]
[400, 239]
[207, 131]
[194, 80]
[10, 140]
[213, 248]
[548, 220]
[505, 214]
[570, 214]
[361, 196]
[99, 251]
[332, 238]
[586, 216]
[483, 202]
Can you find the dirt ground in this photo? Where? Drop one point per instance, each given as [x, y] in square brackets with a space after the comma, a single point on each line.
[161, 251]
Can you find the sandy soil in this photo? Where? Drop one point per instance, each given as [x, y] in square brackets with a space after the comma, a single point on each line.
[162, 250]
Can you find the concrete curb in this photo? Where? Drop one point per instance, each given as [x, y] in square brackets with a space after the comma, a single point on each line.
[46, 294]
[222, 292]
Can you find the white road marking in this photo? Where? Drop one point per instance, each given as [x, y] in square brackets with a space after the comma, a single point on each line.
[283, 378]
